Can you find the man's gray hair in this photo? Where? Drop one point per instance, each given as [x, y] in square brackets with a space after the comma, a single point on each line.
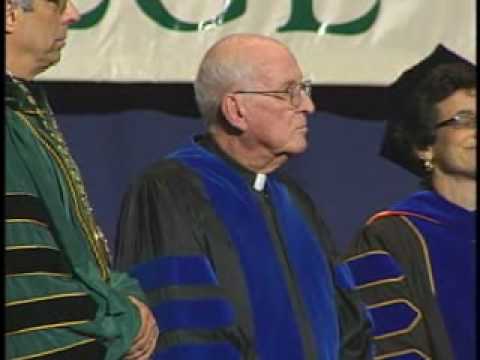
[217, 76]
[26, 5]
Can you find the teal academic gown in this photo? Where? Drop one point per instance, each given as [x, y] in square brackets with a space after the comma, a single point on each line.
[62, 301]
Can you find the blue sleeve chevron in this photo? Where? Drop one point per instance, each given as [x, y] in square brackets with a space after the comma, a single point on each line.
[393, 318]
[216, 351]
[167, 271]
[374, 267]
[205, 313]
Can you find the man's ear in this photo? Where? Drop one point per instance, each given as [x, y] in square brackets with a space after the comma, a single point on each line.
[11, 15]
[13, 12]
[234, 112]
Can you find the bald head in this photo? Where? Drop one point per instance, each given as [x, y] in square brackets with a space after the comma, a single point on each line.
[241, 49]
[234, 62]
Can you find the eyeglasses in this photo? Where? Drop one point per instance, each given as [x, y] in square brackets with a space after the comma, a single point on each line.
[461, 120]
[294, 92]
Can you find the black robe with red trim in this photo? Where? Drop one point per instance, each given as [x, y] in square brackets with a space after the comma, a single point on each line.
[414, 266]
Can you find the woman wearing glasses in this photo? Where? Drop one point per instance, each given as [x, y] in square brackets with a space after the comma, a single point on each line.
[414, 264]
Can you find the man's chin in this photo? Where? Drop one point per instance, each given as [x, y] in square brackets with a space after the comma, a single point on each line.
[56, 58]
[298, 148]
[50, 62]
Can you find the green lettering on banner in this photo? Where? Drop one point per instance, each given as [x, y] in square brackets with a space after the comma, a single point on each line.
[92, 17]
[158, 13]
[357, 26]
[303, 19]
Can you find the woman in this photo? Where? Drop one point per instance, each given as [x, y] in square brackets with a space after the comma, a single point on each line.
[414, 264]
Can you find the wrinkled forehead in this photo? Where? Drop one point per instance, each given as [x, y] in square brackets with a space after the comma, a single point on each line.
[277, 66]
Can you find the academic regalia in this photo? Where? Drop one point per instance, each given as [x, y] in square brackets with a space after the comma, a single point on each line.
[414, 265]
[232, 272]
[62, 300]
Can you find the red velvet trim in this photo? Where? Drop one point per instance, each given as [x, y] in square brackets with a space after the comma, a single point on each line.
[386, 213]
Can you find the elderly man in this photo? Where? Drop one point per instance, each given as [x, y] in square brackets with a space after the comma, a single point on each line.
[233, 257]
[62, 300]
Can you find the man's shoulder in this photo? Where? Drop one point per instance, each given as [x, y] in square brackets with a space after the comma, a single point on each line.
[288, 181]
[388, 232]
[163, 167]
[294, 188]
[11, 113]
[166, 174]
[387, 225]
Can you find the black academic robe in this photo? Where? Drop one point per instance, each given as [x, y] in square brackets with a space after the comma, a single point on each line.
[414, 266]
[167, 214]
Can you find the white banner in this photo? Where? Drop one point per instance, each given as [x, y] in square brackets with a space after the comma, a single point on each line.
[342, 42]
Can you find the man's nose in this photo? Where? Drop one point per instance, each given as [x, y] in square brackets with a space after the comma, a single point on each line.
[70, 14]
[307, 104]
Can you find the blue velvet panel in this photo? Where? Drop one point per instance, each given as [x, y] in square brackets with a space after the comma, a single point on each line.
[393, 317]
[276, 332]
[408, 356]
[374, 267]
[174, 270]
[344, 277]
[218, 351]
[451, 242]
[312, 270]
[194, 314]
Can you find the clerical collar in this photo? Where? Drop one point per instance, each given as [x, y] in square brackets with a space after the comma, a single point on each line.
[259, 183]
[257, 180]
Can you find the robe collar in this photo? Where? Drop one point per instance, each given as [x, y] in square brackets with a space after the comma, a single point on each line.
[433, 205]
[208, 142]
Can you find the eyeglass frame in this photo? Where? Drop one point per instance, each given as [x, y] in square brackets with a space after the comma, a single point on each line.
[454, 121]
[305, 86]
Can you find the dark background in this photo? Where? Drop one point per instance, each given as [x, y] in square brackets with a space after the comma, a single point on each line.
[116, 130]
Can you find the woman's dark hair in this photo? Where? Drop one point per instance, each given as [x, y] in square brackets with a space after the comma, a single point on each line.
[416, 124]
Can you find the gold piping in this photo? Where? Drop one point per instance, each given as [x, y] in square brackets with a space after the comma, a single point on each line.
[46, 327]
[377, 282]
[87, 228]
[402, 352]
[33, 356]
[380, 282]
[20, 193]
[40, 273]
[24, 247]
[30, 221]
[426, 254]
[409, 328]
[365, 254]
[42, 298]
